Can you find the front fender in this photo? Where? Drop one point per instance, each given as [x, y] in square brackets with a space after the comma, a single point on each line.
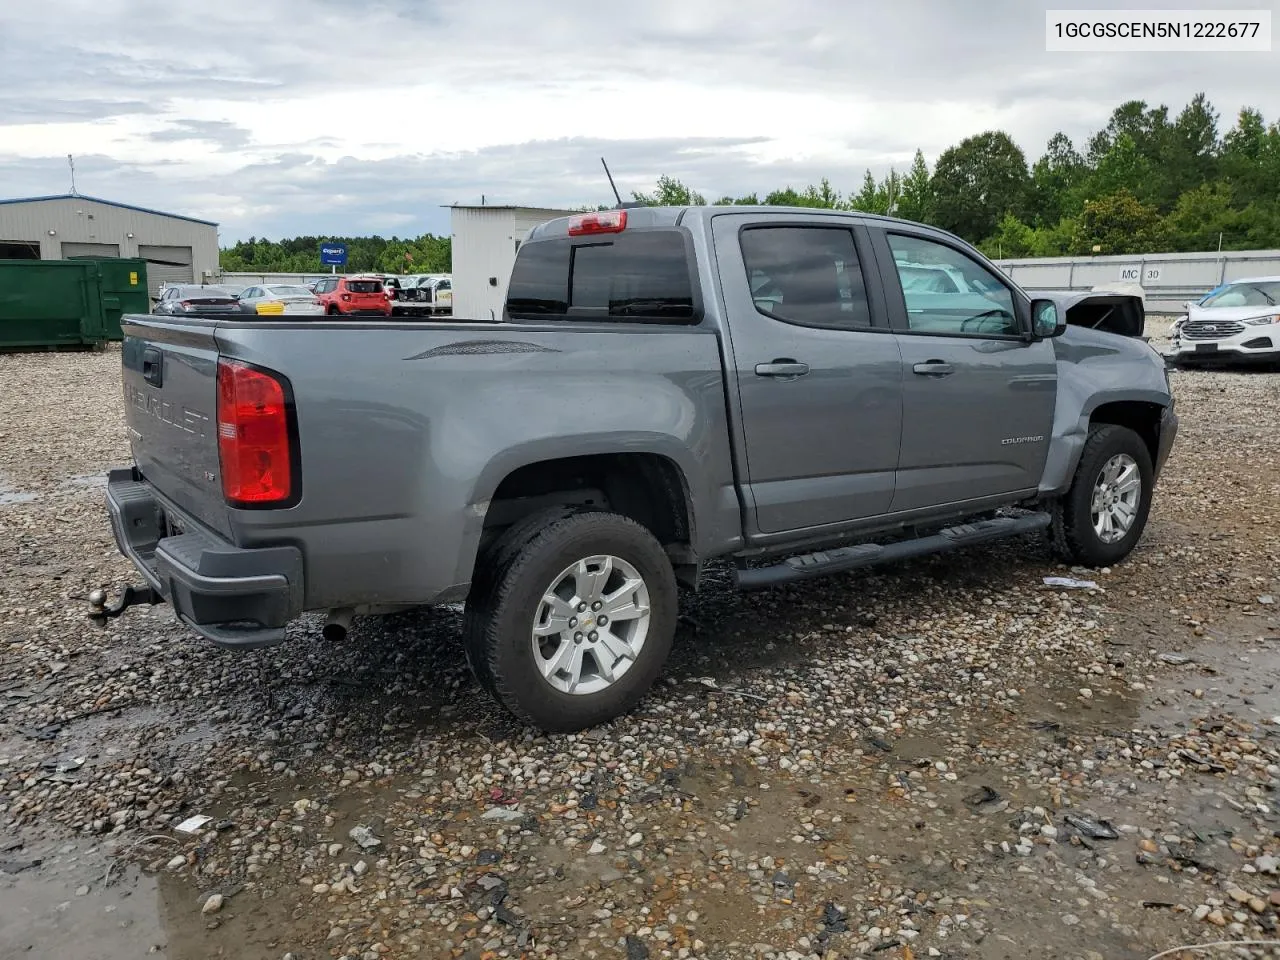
[1095, 368]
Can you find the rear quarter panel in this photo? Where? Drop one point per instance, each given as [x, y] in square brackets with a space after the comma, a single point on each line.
[406, 432]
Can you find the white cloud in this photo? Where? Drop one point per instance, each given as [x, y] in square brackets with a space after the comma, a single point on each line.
[283, 116]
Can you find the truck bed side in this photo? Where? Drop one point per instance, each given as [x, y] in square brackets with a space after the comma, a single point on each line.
[406, 433]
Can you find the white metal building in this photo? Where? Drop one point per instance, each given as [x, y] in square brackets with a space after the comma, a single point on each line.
[485, 241]
[177, 249]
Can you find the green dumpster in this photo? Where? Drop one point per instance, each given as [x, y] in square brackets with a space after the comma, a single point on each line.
[68, 303]
[124, 290]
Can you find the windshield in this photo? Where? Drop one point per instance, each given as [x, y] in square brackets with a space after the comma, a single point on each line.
[288, 291]
[1246, 293]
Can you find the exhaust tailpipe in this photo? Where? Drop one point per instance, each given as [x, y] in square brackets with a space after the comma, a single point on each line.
[337, 625]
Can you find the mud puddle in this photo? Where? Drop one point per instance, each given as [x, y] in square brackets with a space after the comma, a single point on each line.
[60, 902]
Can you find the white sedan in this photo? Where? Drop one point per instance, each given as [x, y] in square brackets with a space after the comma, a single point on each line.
[1238, 321]
[277, 299]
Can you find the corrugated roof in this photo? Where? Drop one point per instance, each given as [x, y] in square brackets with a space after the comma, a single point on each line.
[109, 203]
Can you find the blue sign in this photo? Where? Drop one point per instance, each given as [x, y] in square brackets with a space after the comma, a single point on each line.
[334, 254]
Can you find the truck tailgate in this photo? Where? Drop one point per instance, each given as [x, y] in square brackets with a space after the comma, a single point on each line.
[170, 370]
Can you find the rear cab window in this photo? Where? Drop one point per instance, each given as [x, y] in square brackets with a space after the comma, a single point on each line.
[638, 275]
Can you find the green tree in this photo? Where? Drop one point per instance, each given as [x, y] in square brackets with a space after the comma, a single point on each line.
[867, 199]
[1148, 128]
[1123, 167]
[1192, 158]
[1054, 241]
[917, 192]
[427, 254]
[1205, 217]
[1120, 223]
[1012, 238]
[671, 192]
[1250, 158]
[820, 196]
[1055, 179]
[977, 182]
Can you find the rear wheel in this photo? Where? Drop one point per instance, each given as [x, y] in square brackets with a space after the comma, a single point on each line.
[333, 311]
[572, 623]
[1103, 514]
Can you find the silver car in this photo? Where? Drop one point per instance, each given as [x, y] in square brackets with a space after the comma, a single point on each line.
[276, 299]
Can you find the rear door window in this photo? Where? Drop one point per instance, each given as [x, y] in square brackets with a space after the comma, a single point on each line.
[806, 275]
[643, 275]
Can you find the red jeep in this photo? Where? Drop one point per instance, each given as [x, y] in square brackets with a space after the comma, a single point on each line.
[353, 297]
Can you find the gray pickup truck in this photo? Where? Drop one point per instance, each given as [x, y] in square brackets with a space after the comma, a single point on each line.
[803, 391]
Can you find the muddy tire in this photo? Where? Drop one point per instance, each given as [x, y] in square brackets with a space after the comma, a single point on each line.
[495, 558]
[570, 619]
[1101, 518]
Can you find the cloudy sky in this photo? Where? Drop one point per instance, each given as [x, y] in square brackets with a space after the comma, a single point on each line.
[332, 117]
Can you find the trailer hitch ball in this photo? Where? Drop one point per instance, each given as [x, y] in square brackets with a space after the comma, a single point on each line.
[100, 612]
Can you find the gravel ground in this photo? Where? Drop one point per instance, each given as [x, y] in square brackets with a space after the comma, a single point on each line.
[942, 759]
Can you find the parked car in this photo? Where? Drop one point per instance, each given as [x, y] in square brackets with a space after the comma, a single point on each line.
[1239, 321]
[435, 292]
[353, 297]
[187, 299]
[279, 299]
[631, 418]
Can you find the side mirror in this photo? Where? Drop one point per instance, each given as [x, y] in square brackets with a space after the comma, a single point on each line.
[1188, 304]
[1045, 321]
[235, 296]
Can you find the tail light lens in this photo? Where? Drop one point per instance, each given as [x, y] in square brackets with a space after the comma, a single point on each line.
[346, 296]
[254, 446]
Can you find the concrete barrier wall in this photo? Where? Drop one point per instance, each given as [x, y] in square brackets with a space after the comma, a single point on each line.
[1169, 279]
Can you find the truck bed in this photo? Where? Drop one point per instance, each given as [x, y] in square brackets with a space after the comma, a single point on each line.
[405, 430]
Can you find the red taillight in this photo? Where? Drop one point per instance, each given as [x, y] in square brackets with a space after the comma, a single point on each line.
[608, 221]
[253, 436]
[346, 296]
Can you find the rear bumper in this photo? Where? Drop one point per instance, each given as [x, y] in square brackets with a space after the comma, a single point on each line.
[229, 595]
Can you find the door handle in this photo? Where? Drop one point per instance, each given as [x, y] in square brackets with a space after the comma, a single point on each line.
[786, 368]
[153, 367]
[934, 368]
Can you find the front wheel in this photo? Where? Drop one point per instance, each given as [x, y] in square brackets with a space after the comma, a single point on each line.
[1101, 518]
[572, 625]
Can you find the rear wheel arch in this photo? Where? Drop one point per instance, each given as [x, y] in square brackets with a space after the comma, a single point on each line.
[649, 488]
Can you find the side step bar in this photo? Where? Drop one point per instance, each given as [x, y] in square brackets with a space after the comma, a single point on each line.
[868, 554]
